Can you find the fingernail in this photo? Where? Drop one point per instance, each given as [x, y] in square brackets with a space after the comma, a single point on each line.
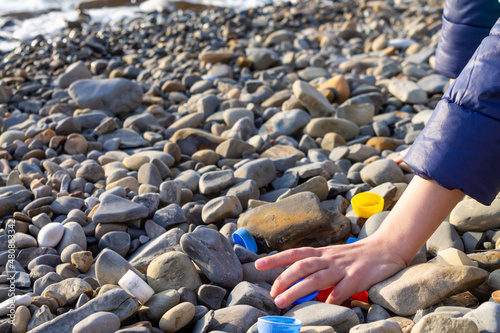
[280, 301]
[260, 263]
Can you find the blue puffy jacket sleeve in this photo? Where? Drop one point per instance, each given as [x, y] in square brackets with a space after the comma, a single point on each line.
[460, 146]
[465, 24]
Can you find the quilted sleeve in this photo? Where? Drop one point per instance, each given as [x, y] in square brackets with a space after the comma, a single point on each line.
[465, 24]
[460, 145]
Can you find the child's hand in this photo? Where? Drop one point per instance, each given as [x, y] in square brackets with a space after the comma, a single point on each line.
[402, 155]
[350, 268]
[356, 267]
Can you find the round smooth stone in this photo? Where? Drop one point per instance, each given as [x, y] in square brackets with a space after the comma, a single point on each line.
[496, 296]
[50, 235]
[177, 317]
[99, 322]
[76, 144]
[68, 251]
[118, 241]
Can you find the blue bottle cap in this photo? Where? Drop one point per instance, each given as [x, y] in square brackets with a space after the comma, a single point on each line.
[305, 298]
[244, 238]
[277, 324]
[351, 240]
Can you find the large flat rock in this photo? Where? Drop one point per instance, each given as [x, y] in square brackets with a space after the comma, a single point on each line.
[420, 286]
[298, 220]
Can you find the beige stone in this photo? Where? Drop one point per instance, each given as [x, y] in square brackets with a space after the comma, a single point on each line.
[177, 317]
[316, 329]
[420, 286]
[433, 323]
[319, 127]
[172, 270]
[456, 257]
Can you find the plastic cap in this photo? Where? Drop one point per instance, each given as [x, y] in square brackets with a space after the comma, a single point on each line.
[305, 298]
[244, 238]
[277, 324]
[367, 204]
[351, 240]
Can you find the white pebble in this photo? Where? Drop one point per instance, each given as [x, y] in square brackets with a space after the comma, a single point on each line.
[136, 286]
[19, 300]
[91, 202]
[50, 235]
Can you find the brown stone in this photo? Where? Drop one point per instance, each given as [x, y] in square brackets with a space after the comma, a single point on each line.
[361, 305]
[330, 94]
[465, 299]
[22, 217]
[75, 144]
[5, 155]
[39, 210]
[244, 62]
[496, 296]
[35, 153]
[173, 85]
[296, 221]
[340, 84]
[384, 143]
[45, 136]
[82, 260]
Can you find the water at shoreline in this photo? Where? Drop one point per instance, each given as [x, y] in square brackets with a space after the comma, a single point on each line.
[52, 22]
[16, 6]
[55, 13]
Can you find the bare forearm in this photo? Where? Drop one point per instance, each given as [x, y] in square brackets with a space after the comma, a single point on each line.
[416, 216]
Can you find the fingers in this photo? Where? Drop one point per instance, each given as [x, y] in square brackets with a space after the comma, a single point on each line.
[300, 269]
[285, 258]
[310, 284]
[342, 291]
[402, 155]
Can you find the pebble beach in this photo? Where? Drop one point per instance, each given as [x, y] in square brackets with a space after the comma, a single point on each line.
[132, 150]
